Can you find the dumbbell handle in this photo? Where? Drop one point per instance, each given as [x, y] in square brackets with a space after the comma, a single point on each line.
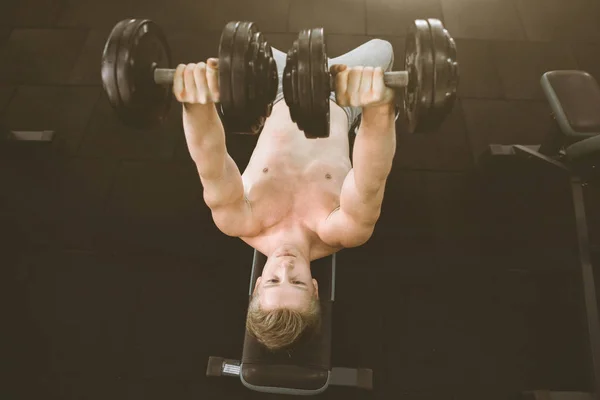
[395, 79]
[164, 76]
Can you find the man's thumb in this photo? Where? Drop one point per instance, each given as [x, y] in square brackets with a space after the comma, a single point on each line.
[337, 68]
[213, 63]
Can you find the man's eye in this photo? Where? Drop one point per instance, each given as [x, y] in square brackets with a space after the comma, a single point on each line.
[272, 281]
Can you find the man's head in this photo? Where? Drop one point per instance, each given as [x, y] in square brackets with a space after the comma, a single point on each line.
[285, 301]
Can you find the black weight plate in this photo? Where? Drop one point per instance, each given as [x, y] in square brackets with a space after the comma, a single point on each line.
[446, 65]
[418, 61]
[258, 82]
[232, 122]
[320, 86]
[225, 60]
[144, 48]
[253, 83]
[237, 115]
[108, 69]
[246, 73]
[445, 77]
[265, 73]
[152, 51]
[304, 80]
[272, 76]
[239, 65]
[125, 76]
[290, 82]
[263, 86]
[306, 86]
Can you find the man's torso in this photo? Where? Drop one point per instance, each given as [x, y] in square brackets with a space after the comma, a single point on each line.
[292, 180]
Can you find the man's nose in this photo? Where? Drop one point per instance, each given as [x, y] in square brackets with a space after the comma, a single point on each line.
[287, 265]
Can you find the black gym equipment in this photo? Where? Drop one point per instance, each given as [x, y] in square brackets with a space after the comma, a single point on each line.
[429, 81]
[134, 49]
[573, 149]
[137, 79]
[247, 77]
[304, 369]
[430, 60]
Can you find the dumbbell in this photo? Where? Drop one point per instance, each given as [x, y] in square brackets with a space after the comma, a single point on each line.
[137, 78]
[429, 81]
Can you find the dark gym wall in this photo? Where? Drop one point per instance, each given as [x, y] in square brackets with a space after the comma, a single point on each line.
[119, 286]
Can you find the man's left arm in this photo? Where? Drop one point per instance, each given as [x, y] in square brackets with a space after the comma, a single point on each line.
[352, 224]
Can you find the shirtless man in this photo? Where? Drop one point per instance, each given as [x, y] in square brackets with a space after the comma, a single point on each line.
[298, 199]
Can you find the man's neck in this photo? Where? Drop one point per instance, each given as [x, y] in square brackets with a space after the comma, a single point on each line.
[294, 240]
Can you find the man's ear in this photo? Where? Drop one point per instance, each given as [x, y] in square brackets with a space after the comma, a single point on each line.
[316, 285]
[257, 284]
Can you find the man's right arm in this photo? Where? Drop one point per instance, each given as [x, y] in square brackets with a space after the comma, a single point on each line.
[219, 174]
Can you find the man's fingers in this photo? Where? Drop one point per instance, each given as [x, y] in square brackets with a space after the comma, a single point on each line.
[337, 68]
[189, 83]
[178, 87]
[354, 80]
[212, 78]
[366, 81]
[341, 88]
[213, 63]
[202, 95]
[378, 84]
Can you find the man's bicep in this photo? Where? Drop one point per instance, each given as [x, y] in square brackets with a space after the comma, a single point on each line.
[352, 224]
[225, 196]
[236, 219]
[224, 188]
[362, 206]
[341, 230]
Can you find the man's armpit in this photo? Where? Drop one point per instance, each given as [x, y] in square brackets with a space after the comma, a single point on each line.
[331, 213]
[341, 230]
[236, 219]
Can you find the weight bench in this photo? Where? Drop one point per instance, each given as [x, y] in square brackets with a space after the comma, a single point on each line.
[573, 148]
[305, 369]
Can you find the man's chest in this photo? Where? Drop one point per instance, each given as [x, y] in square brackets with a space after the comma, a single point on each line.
[287, 192]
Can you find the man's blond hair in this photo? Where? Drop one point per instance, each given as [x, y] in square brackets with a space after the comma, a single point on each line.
[281, 327]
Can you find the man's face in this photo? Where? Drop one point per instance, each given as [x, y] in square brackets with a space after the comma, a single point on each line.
[286, 282]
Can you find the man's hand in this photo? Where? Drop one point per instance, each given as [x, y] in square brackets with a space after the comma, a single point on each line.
[197, 83]
[360, 87]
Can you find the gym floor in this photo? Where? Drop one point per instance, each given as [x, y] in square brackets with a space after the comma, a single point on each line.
[119, 286]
